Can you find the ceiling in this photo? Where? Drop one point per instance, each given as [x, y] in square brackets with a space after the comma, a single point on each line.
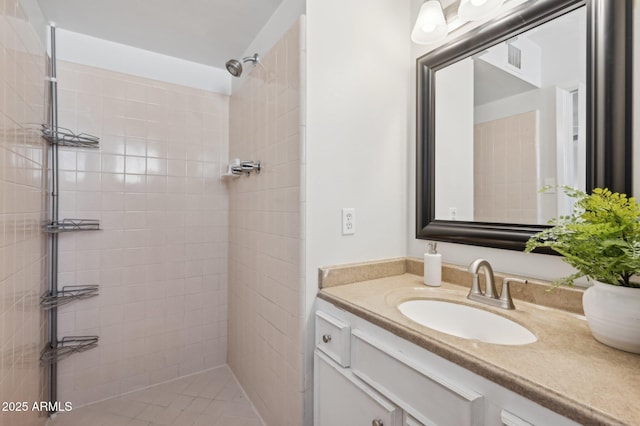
[205, 31]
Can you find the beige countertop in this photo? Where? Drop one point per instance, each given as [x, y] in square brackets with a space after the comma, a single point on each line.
[565, 370]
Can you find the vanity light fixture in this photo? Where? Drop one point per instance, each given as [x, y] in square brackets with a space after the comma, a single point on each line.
[472, 10]
[431, 26]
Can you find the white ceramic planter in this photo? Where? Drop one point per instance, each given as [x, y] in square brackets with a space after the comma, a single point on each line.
[613, 313]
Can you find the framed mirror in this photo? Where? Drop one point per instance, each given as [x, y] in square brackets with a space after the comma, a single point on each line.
[540, 96]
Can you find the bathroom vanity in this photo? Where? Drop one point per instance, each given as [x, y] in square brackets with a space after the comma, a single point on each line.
[374, 366]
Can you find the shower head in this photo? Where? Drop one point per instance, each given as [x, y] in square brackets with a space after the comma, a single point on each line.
[235, 67]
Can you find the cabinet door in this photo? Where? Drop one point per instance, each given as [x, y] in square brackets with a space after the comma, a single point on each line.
[341, 399]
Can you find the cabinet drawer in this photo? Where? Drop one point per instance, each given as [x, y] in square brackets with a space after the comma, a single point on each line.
[427, 397]
[341, 399]
[333, 338]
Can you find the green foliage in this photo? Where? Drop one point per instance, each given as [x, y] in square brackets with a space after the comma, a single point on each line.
[601, 238]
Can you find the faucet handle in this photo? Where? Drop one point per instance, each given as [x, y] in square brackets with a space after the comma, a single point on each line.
[505, 293]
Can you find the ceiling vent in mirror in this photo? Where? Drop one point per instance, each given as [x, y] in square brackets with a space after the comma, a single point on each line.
[514, 56]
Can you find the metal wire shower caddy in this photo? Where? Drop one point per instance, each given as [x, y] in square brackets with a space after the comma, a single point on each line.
[55, 349]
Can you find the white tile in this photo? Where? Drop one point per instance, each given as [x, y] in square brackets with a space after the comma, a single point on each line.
[265, 232]
[167, 404]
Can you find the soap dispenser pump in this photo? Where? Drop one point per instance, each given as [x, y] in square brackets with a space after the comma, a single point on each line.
[432, 266]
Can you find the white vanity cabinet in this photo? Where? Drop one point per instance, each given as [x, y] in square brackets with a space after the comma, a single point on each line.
[366, 376]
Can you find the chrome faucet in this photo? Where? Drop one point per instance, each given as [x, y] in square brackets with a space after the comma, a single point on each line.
[490, 295]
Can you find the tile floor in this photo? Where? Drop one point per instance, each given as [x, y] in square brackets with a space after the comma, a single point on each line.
[211, 398]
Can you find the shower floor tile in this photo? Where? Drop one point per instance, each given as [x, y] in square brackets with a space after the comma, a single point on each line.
[212, 398]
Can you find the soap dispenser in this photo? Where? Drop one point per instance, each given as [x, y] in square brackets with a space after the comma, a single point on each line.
[432, 266]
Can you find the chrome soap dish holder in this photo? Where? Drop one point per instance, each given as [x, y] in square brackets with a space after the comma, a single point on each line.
[239, 168]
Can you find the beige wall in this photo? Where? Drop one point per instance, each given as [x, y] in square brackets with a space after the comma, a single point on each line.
[266, 234]
[23, 245]
[504, 169]
[161, 258]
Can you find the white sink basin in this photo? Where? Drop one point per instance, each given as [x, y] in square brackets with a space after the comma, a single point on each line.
[467, 322]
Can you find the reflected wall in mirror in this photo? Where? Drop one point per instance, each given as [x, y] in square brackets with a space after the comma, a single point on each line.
[536, 97]
[510, 120]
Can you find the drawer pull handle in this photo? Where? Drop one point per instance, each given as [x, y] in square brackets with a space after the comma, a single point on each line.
[377, 422]
[327, 338]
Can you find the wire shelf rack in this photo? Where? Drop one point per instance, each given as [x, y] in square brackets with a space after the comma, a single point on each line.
[68, 294]
[71, 225]
[67, 346]
[65, 137]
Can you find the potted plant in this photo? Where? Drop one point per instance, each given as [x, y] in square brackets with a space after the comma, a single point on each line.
[601, 240]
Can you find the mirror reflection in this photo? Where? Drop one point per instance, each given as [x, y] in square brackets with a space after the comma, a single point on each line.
[511, 120]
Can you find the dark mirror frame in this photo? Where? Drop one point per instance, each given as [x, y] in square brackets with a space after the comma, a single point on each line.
[609, 119]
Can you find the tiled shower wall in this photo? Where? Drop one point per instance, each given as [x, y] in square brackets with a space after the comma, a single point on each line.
[266, 233]
[505, 169]
[161, 258]
[23, 246]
